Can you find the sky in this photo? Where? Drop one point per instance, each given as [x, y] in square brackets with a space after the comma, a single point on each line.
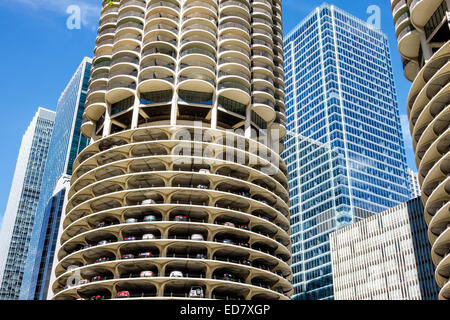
[42, 45]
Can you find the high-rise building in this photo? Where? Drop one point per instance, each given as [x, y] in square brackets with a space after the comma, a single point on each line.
[183, 177]
[414, 183]
[340, 92]
[19, 216]
[67, 142]
[43, 266]
[384, 257]
[423, 34]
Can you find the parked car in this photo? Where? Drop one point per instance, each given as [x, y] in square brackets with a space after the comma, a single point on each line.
[176, 274]
[131, 220]
[97, 278]
[196, 292]
[204, 171]
[197, 237]
[181, 218]
[200, 256]
[228, 241]
[83, 281]
[87, 246]
[243, 227]
[202, 186]
[228, 276]
[102, 259]
[148, 236]
[229, 224]
[127, 256]
[123, 294]
[146, 274]
[147, 201]
[150, 218]
[103, 242]
[246, 262]
[244, 244]
[145, 255]
[130, 238]
[97, 297]
[101, 224]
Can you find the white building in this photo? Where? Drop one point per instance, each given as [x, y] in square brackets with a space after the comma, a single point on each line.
[21, 208]
[384, 257]
[414, 181]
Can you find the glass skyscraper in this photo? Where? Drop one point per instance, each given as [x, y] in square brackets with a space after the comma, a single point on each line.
[23, 199]
[339, 92]
[67, 142]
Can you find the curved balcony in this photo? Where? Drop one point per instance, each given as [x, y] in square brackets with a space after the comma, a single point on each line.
[235, 8]
[436, 62]
[264, 107]
[119, 89]
[421, 12]
[166, 6]
[408, 42]
[195, 9]
[156, 78]
[410, 69]
[235, 89]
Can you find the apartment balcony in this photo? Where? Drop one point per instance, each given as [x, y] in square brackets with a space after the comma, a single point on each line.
[171, 7]
[408, 40]
[194, 9]
[421, 12]
[234, 8]
[264, 105]
[167, 28]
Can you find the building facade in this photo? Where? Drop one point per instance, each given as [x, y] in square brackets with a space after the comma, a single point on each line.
[384, 257]
[19, 216]
[423, 33]
[414, 183]
[183, 177]
[339, 92]
[67, 142]
[44, 264]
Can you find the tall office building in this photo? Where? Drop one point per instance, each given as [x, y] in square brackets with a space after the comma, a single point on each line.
[414, 183]
[340, 92]
[18, 220]
[67, 142]
[423, 34]
[183, 177]
[384, 257]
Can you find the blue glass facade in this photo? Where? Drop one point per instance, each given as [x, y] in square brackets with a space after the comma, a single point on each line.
[19, 217]
[53, 212]
[340, 93]
[67, 142]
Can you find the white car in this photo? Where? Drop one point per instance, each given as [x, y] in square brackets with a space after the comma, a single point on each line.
[176, 274]
[229, 224]
[196, 292]
[204, 171]
[148, 236]
[146, 274]
[131, 220]
[197, 237]
[147, 201]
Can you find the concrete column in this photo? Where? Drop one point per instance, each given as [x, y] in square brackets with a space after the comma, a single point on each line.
[426, 48]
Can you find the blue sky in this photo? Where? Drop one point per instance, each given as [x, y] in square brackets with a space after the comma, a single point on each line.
[40, 54]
